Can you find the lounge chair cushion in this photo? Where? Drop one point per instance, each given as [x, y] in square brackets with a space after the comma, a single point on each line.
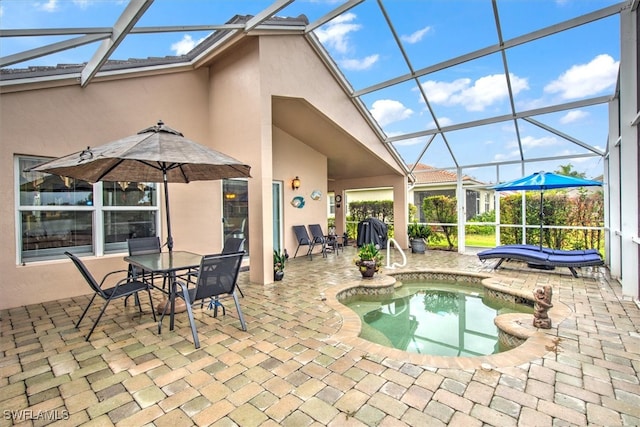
[547, 257]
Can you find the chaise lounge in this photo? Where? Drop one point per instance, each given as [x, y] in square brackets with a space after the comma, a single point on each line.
[546, 258]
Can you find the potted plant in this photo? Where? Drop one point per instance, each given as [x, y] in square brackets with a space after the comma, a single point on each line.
[279, 260]
[369, 260]
[418, 235]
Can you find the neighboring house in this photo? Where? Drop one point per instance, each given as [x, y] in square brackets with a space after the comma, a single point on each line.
[432, 182]
[247, 94]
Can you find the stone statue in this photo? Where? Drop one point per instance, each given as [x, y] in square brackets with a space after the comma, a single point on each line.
[541, 305]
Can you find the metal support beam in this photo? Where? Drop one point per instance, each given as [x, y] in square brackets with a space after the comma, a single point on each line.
[51, 48]
[133, 12]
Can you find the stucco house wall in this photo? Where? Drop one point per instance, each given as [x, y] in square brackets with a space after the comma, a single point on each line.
[59, 120]
[225, 103]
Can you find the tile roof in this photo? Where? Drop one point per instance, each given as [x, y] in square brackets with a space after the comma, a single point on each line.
[426, 174]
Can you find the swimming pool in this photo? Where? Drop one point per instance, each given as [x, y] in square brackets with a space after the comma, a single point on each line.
[434, 317]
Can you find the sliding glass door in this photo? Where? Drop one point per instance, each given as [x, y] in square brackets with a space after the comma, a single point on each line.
[235, 210]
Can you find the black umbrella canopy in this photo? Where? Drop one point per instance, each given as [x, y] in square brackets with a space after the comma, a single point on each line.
[155, 154]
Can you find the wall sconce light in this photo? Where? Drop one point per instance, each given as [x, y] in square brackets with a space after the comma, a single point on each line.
[295, 184]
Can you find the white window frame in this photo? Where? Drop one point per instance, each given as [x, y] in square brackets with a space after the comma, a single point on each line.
[97, 217]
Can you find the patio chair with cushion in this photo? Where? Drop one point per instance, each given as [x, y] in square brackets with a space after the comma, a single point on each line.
[303, 240]
[545, 258]
[122, 289]
[217, 276]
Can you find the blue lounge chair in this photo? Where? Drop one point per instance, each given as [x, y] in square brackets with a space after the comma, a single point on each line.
[552, 251]
[545, 258]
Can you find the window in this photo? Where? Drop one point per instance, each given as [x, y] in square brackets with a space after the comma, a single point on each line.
[235, 210]
[57, 214]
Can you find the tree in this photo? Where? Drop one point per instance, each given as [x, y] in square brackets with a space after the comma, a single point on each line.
[442, 209]
[567, 170]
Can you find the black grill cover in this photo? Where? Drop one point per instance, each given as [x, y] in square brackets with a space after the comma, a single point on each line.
[372, 230]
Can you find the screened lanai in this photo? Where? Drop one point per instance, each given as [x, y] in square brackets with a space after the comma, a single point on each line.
[492, 89]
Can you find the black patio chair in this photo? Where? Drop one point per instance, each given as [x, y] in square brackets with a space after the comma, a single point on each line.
[303, 240]
[142, 246]
[217, 276]
[231, 245]
[319, 238]
[122, 289]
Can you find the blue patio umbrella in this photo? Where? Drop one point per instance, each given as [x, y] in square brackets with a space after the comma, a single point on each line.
[541, 181]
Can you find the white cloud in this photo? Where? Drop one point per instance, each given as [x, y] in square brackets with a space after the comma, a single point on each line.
[359, 64]
[442, 121]
[387, 111]
[586, 79]
[49, 6]
[1, 11]
[506, 156]
[573, 116]
[185, 45]
[335, 33]
[484, 92]
[416, 36]
[440, 92]
[529, 142]
[409, 142]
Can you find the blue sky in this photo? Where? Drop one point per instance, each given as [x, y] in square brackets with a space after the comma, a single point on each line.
[573, 65]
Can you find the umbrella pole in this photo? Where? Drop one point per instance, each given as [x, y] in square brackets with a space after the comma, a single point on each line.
[541, 217]
[166, 202]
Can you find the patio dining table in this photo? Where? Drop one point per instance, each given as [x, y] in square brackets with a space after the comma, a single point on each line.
[167, 264]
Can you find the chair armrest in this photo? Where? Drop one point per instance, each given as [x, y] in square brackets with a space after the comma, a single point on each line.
[106, 276]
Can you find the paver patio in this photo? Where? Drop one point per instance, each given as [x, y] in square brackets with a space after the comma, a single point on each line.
[291, 367]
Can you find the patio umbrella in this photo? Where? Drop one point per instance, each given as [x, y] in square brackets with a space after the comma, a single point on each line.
[541, 181]
[155, 154]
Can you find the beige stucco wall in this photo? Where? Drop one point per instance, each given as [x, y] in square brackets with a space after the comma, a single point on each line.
[66, 119]
[291, 68]
[227, 107]
[236, 118]
[293, 158]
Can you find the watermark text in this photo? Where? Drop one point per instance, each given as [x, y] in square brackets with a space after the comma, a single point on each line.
[30, 414]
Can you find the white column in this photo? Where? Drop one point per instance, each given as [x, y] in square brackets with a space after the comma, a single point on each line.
[612, 195]
[461, 197]
[629, 177]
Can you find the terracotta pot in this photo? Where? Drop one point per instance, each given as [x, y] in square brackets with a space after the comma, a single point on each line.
[180, 306]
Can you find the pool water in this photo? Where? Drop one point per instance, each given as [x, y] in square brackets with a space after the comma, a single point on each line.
[436, 318]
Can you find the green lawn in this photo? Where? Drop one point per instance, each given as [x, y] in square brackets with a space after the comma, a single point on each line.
[480, 240]
[477, 240]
